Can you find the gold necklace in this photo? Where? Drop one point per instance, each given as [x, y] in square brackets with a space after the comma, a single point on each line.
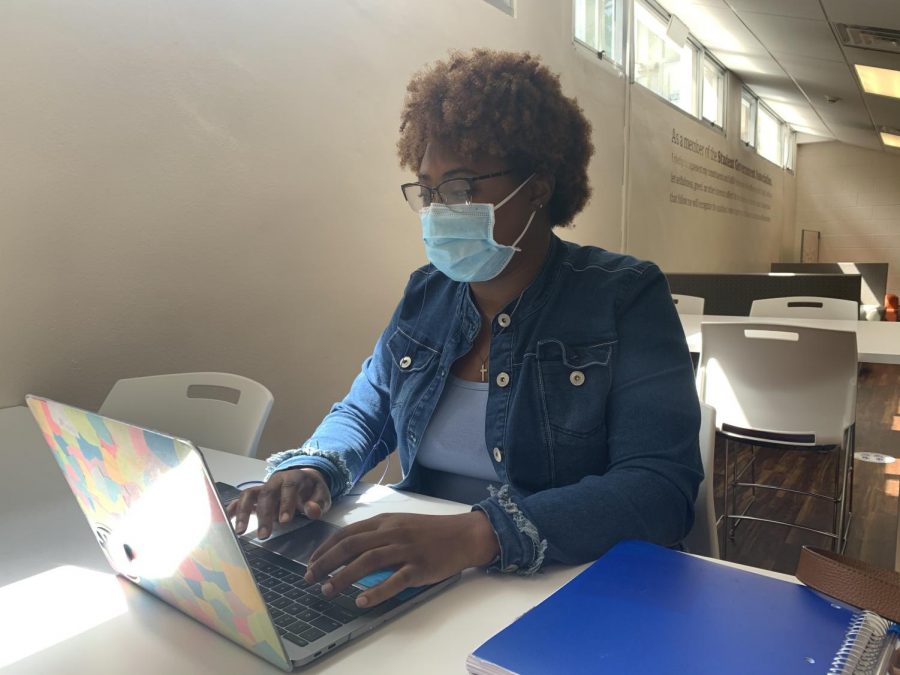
[483, 370]
[484, 361]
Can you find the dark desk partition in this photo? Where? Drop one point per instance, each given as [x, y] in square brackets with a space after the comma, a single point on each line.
[732, 294]
[874, 276]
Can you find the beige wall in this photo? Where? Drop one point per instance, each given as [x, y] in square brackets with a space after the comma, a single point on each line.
[209, 185]
[214, 185]
[852, 196]
[724, 220]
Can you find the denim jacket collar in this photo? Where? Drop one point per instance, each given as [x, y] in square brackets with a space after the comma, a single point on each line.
[531, 300]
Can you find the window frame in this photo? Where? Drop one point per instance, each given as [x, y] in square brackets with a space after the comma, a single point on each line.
[722, 102]
[749, 96]
[779, 160]
[505, 6]
[616, 54]
[789, 147]
[622, 56]
[698, 50]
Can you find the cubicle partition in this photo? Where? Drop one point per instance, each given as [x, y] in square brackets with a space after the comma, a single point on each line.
[732, 294]
[874, 276]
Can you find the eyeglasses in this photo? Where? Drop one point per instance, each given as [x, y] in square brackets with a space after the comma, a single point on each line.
[452, 191]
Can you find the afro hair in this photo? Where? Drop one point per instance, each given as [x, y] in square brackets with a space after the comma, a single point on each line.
[506, 105]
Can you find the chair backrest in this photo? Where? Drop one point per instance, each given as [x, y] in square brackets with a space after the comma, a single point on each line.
[779, 384]
[213, 410]
[703, 538]
[806, 307]
[688, 304]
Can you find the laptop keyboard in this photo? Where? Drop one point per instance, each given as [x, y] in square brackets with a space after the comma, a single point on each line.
[299, 611]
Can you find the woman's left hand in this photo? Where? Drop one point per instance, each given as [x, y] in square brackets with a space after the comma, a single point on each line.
[421, 549]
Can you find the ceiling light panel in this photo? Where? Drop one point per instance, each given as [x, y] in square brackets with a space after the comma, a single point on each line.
[881, 81]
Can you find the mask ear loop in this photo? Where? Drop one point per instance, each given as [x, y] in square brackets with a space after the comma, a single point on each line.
[527, 225]
[514, 192]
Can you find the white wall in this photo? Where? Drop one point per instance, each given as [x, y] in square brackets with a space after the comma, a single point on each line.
[852, 196]
[213, 184]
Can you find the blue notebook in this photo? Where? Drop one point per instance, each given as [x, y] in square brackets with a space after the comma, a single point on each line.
[642, 608]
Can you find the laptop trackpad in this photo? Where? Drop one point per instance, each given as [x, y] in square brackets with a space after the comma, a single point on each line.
[299, 543]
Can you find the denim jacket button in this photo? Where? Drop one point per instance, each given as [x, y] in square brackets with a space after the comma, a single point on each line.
[576, 378]
[405, 362]
[503, 320]
[502, 379]
[498, 456]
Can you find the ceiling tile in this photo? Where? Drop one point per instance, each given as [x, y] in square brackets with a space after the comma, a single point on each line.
[812, 137]
[879, 13]
[801, 37]
[885, 111]
[793, 112]
[819, 78]
[845, 113]
[804, 9]
[866, 138]
[716, 27]
[777, 91]
[750, 67]
[871, 57]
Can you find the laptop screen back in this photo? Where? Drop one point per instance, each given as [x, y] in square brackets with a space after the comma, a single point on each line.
[151, 505]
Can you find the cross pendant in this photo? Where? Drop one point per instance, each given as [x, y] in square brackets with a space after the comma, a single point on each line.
[483, 372]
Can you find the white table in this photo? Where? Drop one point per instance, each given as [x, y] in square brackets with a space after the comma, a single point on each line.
[102, 624]
[876, 341]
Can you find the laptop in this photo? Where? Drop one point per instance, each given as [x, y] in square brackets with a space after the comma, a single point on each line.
[153, 508]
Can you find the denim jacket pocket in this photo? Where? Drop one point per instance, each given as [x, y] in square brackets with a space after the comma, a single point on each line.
[575, 381]
[409, 357]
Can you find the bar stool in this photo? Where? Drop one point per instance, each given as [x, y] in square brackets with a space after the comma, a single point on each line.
[782, 386]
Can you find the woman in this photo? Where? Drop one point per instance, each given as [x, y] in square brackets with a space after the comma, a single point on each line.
[557, 372]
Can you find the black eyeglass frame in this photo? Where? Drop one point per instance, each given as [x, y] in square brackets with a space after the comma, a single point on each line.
[437, 188]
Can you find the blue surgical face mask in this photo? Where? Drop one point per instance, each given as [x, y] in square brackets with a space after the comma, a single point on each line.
[459, 239]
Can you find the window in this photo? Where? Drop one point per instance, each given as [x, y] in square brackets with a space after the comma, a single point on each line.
[713, 92]
[597, 25]
[790, 147]
[769, 135]
[748, 118]
[507, 6]
[764, 130]
[660, 64]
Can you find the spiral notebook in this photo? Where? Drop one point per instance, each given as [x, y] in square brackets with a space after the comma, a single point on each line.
[642, 608]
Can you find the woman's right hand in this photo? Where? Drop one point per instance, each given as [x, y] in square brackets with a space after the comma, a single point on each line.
[285, 493]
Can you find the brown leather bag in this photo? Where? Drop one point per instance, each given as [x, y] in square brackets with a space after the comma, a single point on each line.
[854, 582]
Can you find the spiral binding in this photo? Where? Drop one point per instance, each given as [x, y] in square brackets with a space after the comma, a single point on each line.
[861, 650]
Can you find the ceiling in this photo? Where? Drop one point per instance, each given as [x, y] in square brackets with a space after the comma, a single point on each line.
[788, 53]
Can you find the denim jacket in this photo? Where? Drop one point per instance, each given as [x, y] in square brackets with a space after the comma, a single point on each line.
[592, 415]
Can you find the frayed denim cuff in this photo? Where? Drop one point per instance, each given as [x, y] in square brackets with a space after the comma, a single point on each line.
[522, 550]
[329, 463]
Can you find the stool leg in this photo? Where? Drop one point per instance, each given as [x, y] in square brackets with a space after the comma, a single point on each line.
[846, 506]
[753, 469]
[724, 546]
[838, 500]
[734, 480]
[852, 451]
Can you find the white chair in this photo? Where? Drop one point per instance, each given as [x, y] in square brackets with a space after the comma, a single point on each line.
[688, 304]
[214, 410]
[782, 386]
[806, 307]
[703, 538]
